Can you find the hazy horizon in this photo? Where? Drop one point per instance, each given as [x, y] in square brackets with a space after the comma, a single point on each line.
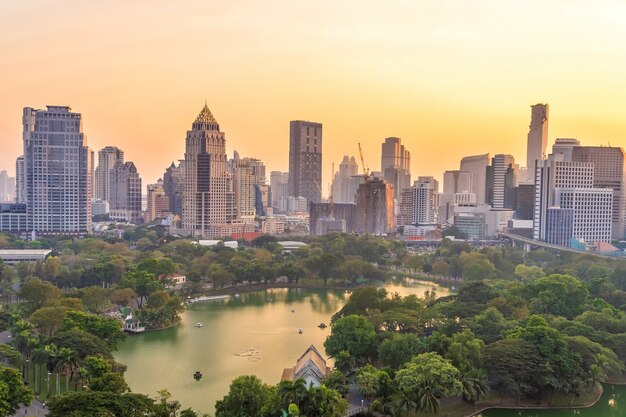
[450, 78]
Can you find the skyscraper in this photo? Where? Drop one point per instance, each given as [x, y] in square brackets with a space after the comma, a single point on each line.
[537, 136]
[244, 182]
[375, 207]
[58, 171]
[7, 187]
[344, 185]
[609, 172]
[208, 197]
[395, 164]
[279, 187]
[173, 187]
[107, 158]
[305, 160]
[125, 192]
[20, 180]
[476, 165]
[158, 202]
[501, 182]
[424, 200]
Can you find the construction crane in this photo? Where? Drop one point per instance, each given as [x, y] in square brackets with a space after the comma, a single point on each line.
[366, 170]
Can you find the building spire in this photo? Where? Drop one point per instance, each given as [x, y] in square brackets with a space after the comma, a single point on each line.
[205, 115]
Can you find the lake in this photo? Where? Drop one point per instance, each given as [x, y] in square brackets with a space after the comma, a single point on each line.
[610, 405]
[255, 334]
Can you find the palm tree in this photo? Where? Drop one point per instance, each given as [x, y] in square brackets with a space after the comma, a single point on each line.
[40, 357]
[428, 402]
[403, 403]
[473, 388]
[51, 365]
[67, 362]
[292, 392]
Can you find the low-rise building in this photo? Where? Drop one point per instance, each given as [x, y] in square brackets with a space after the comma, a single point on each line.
[311, 367]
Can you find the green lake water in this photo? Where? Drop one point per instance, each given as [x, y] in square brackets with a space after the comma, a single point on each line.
[256, 333]
[612, 404]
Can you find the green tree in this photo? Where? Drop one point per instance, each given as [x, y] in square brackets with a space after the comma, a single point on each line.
[247, 396]
[490, 325]
[99, 403]
[427, 378]
[353, 334]
[13, 393]
[398, 350]
[47, 320]
[39, 293]
[106, 328]
[292, 392]
[465, 352]
[94, 298]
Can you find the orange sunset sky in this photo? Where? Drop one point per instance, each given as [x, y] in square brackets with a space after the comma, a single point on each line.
[451, 78]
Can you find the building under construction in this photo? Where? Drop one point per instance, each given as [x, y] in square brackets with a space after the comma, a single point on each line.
[375, 207]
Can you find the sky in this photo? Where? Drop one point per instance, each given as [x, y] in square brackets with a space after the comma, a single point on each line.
[450, 78]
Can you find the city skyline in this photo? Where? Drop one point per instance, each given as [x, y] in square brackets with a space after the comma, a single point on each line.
[143, 84]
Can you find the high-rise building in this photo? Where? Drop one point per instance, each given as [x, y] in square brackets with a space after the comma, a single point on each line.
[158, 203]
[375, 207]
[525, 201]
[7, 187]
[58, 171]
[592, 208]
[20, 180]
[501, 182]
[244, 182]
[477, 165]
[537, 136]
[173, 187]
[279, 187]
[457, 182]
[343, 213]
[208, 196]
[559, 226]
[344, 187]
[305, 160]
[107, 158]
[608, 172]
[125, 192]
[569, 185]
[565, 147]
[424, 200]
[405, 207]
[395, 164]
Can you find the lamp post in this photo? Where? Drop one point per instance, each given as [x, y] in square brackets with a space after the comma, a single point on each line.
[48, 388]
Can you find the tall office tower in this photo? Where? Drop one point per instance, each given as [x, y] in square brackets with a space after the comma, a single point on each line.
[158, 203]
[405, 207]
[395, 164]
[609, 172]
[20, 180]
[279, 187]
[107, 158]
[457, 182]
[501, 182]
[424, 200]
[537, 136]
[173, 187]
[57, 171]
[375, 207]
[125, 192]
[245, 179]
[258, 168]
[7, 187]
[305, 160]
[343, 186]
[261, 198]
[477, 165]
[525, 201]
[208, 197]
[592, 209]
[565, 147]
[344, 214]
[569, 185]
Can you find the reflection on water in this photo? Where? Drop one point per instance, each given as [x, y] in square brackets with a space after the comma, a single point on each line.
[607, 406]
[255, 333]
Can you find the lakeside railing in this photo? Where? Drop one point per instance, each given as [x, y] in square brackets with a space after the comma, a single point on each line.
[356, 411]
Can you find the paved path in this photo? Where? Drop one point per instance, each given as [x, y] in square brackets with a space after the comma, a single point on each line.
[5, 337]
[35, 409]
